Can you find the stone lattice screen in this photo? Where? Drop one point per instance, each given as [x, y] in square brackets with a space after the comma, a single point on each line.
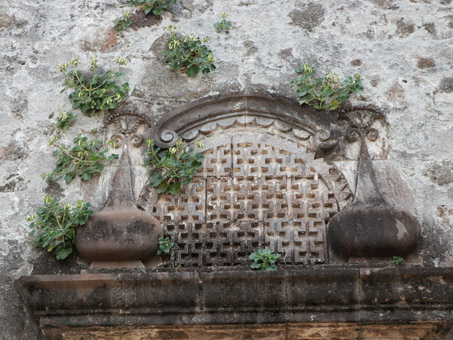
[258, 187]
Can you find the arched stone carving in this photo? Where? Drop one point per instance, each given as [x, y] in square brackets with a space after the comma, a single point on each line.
[260, 186]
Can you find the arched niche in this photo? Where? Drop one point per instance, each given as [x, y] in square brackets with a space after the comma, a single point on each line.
[263, 183]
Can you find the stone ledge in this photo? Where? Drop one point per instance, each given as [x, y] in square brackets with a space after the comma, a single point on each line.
[326, 295]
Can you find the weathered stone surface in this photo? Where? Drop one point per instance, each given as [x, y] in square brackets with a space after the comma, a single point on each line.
[446, 85]
[446, 215]
[441, 173]
[308, 16]
[426, 63]
[37, 35]
[404, 29]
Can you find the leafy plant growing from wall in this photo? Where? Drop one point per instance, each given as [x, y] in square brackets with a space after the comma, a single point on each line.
[171, 169]
[84, 159]
[164, 245]
[325, 93]
[264, 259]
[65, 120]
[188, 54]
[95, 90]
[223, 25]
[396, 260]
[54, 225]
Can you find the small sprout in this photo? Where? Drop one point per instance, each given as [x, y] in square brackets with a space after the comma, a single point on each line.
[155, 7]
[164, 245]
[223, 25]
[397, 260]
[123, 21]
[264, 259]
[172, 29]
[65, 120]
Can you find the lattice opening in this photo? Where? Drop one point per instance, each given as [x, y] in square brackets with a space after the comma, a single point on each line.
[253, 191]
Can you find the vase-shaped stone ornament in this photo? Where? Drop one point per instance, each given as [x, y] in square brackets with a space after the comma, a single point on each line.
[120, 235]
[371, 227]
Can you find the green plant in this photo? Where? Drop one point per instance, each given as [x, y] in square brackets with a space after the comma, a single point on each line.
[84, 159]
[65, 120]
[188, 54]
[53, 226]
[264, 259]
[123, 21]
[172, 168]
[155, 7]
[397, 260]
[223, 25]
[95, 90]
[164, 245]
[324, 93]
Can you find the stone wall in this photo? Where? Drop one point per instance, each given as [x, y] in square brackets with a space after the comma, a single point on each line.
[402, 49]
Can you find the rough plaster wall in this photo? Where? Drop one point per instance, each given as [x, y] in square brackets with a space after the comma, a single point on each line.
[402, 49]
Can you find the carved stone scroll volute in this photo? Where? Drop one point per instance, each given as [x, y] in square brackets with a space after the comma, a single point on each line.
[370, 227]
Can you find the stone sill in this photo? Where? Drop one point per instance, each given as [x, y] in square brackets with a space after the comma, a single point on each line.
[401, 294]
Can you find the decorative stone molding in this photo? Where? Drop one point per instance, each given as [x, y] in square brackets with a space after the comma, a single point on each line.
[130, 128]
[247, 109]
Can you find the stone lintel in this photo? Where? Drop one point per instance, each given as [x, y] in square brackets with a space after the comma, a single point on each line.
[399, 295]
